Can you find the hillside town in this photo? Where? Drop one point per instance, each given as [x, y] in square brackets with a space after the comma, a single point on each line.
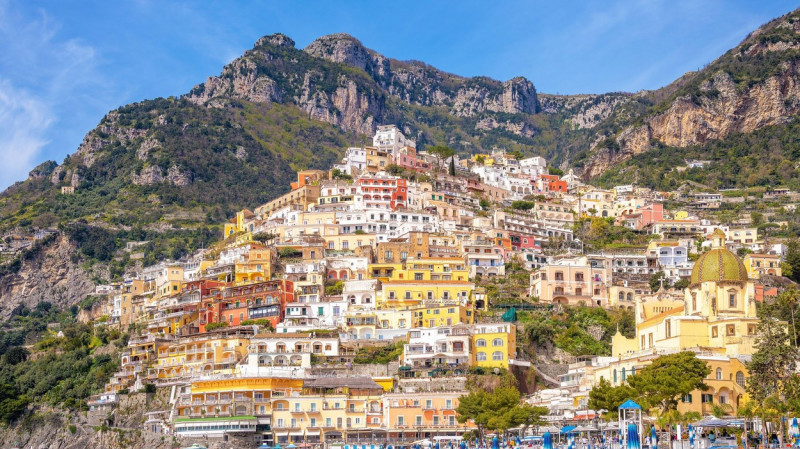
[355, 308]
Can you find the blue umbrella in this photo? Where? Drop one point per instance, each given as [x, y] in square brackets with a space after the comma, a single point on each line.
[547, 440]
[691, 436]
[495, 443]
[653, 437]
[633, 437]
[571, 440]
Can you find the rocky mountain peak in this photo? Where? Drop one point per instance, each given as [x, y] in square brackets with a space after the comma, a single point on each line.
[276, 40]
[343, 48]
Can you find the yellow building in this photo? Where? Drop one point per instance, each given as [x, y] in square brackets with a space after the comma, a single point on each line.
[758, 264]
[443, 315]
[256, 265]
[422, 269]
[216, 409]
[494, 345]
[716, 319]
[412, 293]
[212, 352]
[330, 408]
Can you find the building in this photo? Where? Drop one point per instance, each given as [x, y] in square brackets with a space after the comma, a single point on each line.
[760, 264]
[573, 281]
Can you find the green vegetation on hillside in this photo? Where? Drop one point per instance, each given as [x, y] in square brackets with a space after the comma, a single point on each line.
[576, 330]
[37, 365]
[766, 157]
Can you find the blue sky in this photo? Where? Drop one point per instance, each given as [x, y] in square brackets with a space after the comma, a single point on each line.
[64, 64]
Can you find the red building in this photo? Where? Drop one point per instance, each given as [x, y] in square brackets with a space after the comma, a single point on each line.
[233, 305]
[384, 192]
[407, 158]
[551, 183]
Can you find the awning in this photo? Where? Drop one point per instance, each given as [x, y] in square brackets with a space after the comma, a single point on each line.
[567, 429]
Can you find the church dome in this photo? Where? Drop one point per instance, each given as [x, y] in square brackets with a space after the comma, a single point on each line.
[718, 264]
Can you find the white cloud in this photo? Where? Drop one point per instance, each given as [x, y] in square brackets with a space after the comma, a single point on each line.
[23, 123]
[43, 75]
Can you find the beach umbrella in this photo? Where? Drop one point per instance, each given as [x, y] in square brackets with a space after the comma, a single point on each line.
[633, 437]
[691, 436]
[795, 431]
[495, 442]
[653, 437]
[547, 440]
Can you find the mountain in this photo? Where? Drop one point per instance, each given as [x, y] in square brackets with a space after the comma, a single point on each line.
[705, 114]
[167, 171]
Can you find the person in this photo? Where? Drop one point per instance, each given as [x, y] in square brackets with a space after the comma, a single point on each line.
[712, 437]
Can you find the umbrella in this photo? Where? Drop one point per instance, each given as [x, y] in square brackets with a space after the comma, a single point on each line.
[691, 436]
[653, 437]
[547, 440]
[290, 446]
[795, 431]
[571, 440]
[495, 443]
[633, 437]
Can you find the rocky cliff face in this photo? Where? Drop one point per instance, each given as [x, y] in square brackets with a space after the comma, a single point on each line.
[355, 100]
[50, 275]
[756, 84]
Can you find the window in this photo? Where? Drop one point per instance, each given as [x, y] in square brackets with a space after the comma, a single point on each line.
[730, 330]
[706, 398]
[497, 355]
[480, 343]
[448, 404]
[429, 403]
[481, 356]
[418, 276]
[732, 300]
[559, 276]
[714, 332]
[401, 420]
[740, 378]
[718, 374]
[419, 420]
[687, 398]
[668, 328]
[751, 329]
[497, 342]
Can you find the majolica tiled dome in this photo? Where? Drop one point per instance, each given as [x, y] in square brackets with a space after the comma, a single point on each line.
[718, 264]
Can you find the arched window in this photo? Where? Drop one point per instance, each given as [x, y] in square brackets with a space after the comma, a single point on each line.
[615, 375]
[480, 343]
[621, 296]
[480, 356]
[740, 378]
[623, 374]
[497, 355]
[630, 296]
[719, 374]
[497, 342]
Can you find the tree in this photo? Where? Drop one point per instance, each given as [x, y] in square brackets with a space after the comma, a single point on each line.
[792, 259]
[773, 382]
[756, 218]
[658, 279]
[452, 170]
[527, 415]
[495, 411]
[605, 397]
[264, 237]
[661, 384]
[555, 171]
[681, 284]
[441, 153]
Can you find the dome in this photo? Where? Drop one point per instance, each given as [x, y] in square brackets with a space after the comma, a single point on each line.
[718, 264]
